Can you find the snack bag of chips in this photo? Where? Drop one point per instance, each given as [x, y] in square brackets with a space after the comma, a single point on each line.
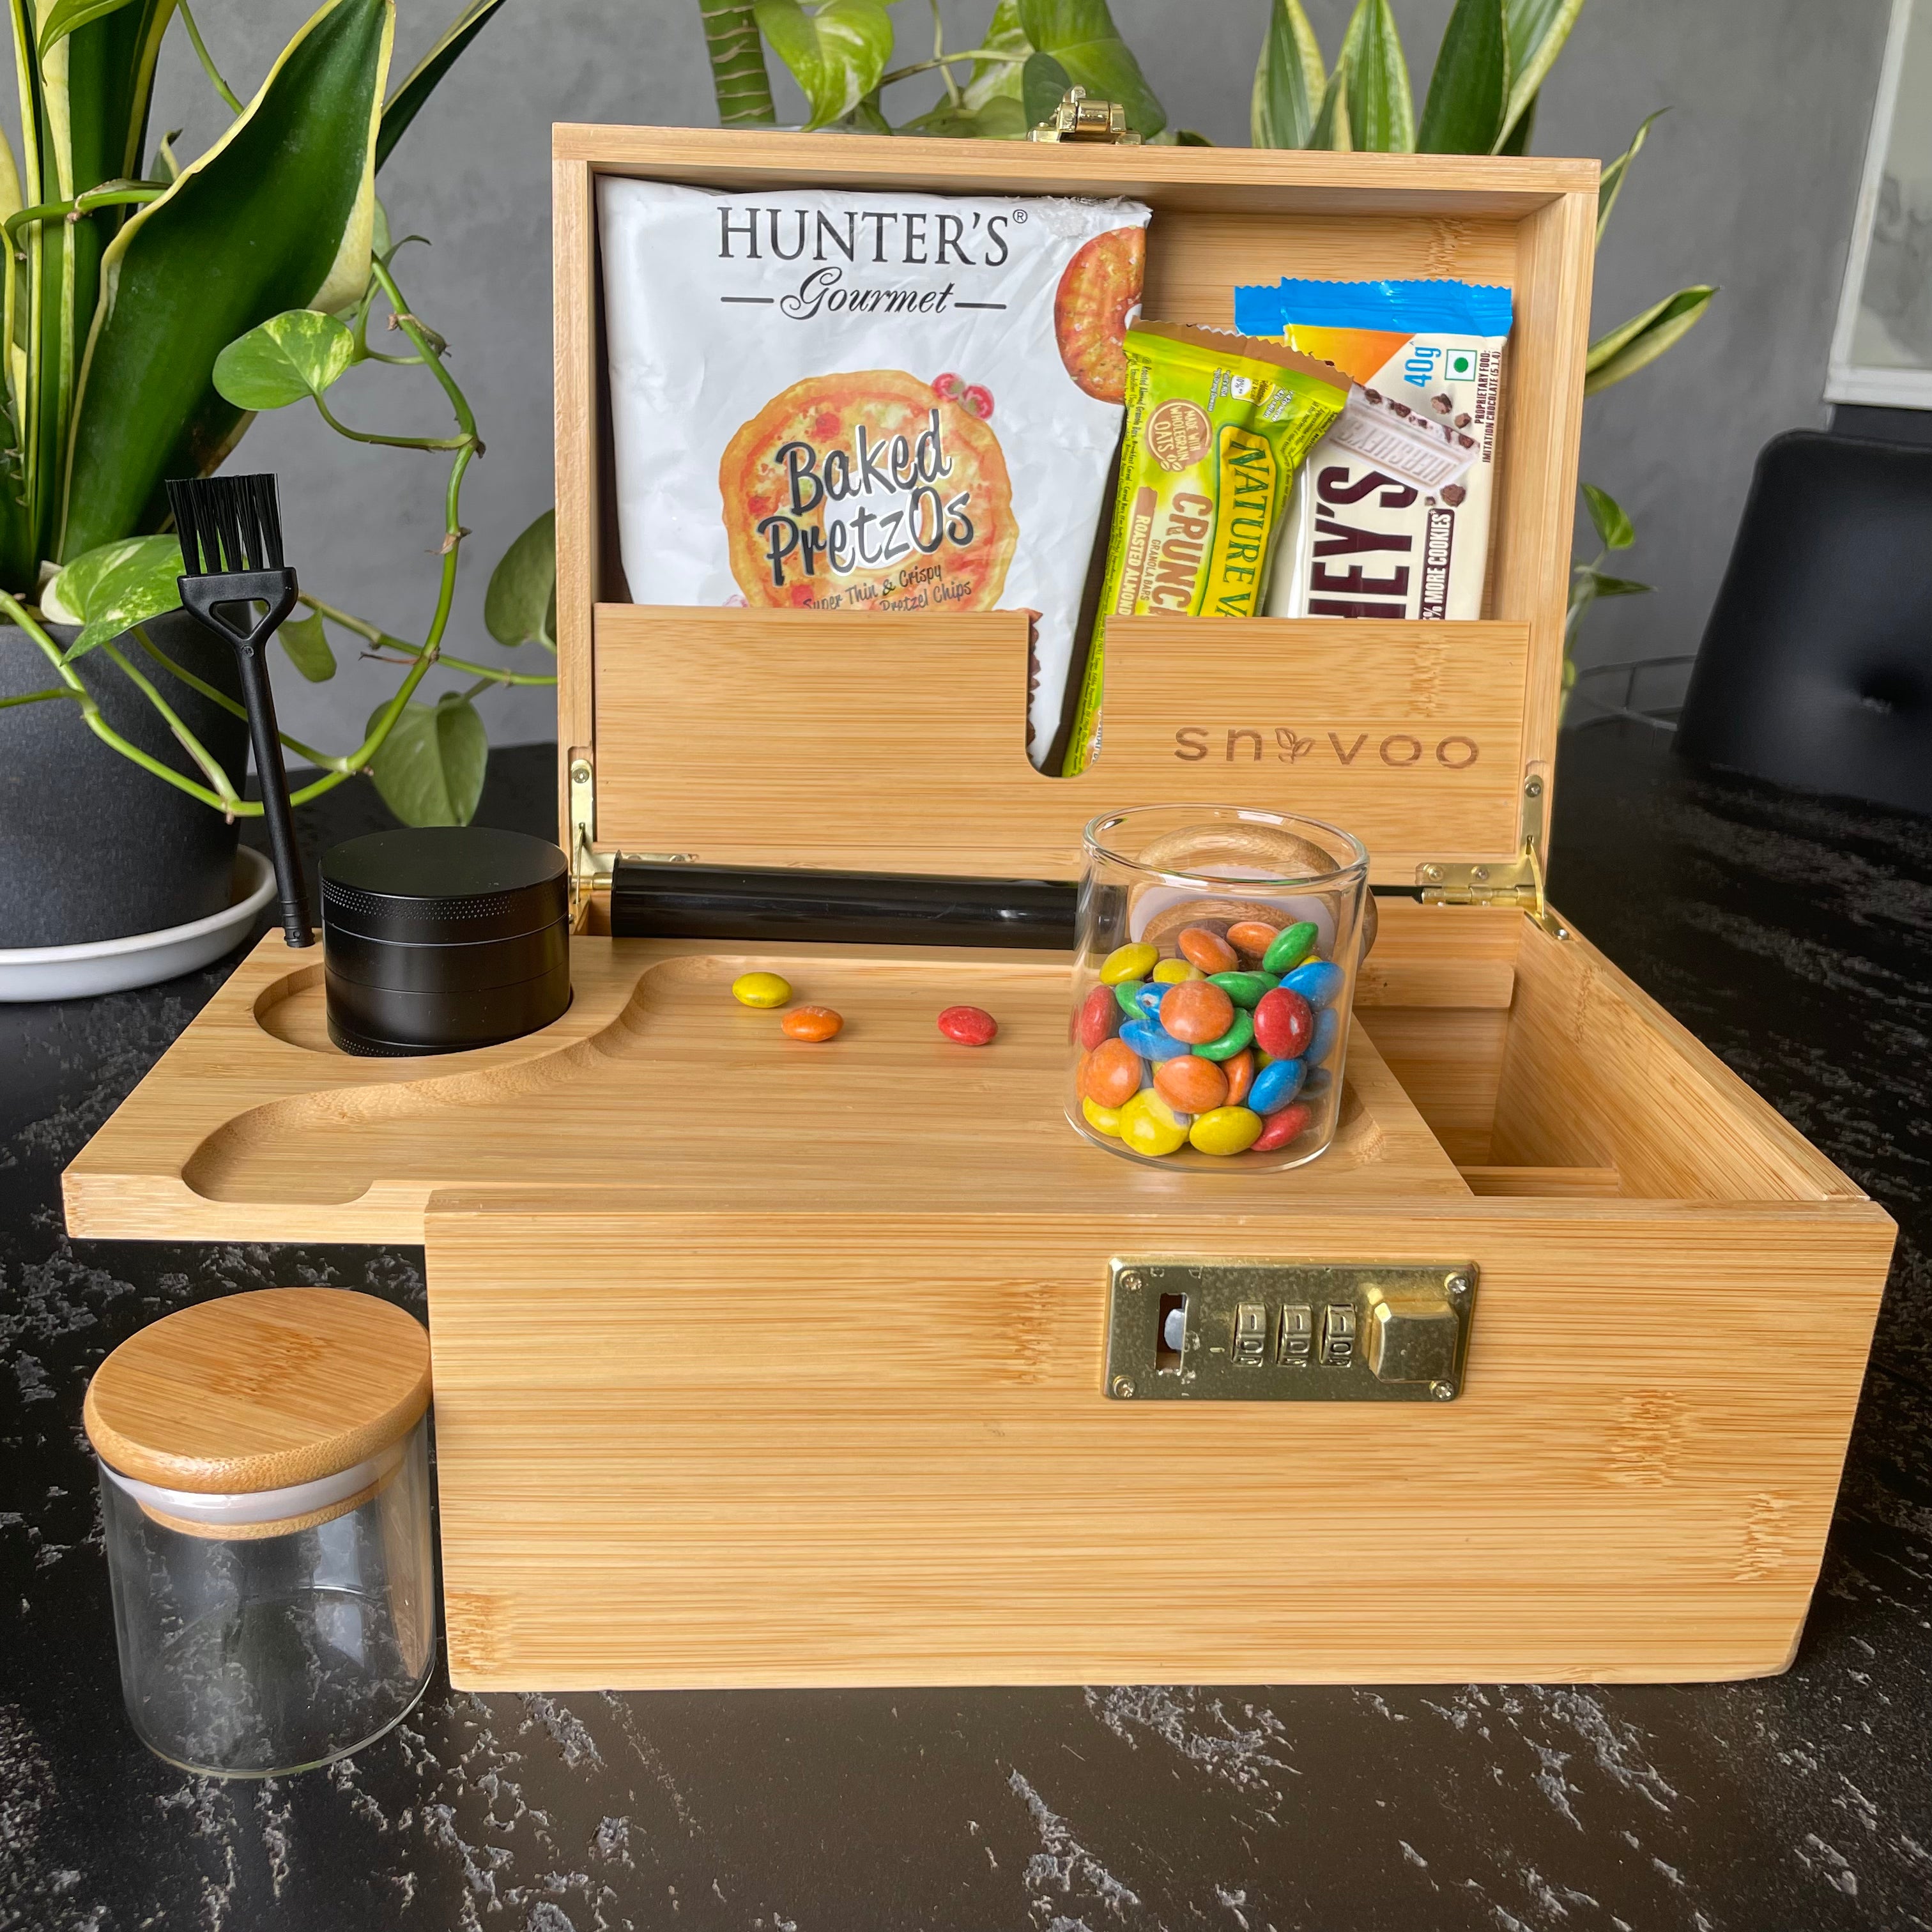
[1215, 426]
[833, 401]
[1390, 516]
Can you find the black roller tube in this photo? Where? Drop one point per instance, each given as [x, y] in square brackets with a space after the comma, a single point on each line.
[670, 901]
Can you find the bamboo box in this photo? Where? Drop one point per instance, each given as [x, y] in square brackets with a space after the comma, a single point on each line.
[805, 1370]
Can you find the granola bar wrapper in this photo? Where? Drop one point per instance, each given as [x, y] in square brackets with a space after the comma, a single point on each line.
[1390, 516]
[1215, 426]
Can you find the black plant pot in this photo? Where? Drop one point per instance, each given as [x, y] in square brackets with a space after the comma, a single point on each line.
[91, 846]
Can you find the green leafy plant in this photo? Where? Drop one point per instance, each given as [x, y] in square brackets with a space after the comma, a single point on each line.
[1481, 99]
[150, 314]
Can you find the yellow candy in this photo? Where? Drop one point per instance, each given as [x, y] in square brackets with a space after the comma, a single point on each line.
[760, 989]
[1171, 972]
[1149, 1125]
[1102, 1120]
[1129, 962]
[1225, 1130]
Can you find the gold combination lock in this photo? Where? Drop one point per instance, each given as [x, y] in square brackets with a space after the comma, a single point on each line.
[1184, 1330]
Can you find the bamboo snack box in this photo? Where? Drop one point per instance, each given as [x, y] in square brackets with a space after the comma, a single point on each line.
[840, 1365]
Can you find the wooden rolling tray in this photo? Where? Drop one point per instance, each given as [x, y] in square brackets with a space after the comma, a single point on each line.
[760, 1363]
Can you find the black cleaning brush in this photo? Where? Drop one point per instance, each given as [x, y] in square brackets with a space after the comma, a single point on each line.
[231, 541]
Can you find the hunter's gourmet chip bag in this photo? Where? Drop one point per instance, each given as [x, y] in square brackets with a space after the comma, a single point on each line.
[1390, 517]
[834, 401]
[1215, 426]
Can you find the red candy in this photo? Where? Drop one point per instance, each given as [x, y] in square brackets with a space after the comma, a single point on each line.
[1289, 1124]
[1284, 1024]
[1099, 1018]
[974, 1026]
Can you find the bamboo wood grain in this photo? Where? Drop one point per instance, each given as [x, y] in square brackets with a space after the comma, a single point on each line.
[658, 1085]
[899, 742]
[1450, 1062]
[680, 1451]
[259, 1391]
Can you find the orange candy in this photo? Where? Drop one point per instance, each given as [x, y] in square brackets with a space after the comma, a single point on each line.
[1253, 937]
[1240, 1071]
[811, 1022]
[1190, 1084]
[1196, 1011]
[1208, 950]
[1111, 1074]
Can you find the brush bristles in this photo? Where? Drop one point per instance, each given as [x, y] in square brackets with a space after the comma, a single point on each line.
[226, 523]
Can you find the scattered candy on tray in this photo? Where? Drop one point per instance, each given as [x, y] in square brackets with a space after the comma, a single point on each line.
[1213, 1039]
[970, 1026]
[814, 1023]
[760, 989]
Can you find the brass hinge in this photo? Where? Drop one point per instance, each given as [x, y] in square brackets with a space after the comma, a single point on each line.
[591, 870]
[1077, 118]
[1515, 884]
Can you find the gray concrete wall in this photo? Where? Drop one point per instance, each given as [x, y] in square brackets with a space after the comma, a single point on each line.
[1749, 182]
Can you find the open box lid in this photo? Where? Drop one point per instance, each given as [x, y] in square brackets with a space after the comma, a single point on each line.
[896, 743]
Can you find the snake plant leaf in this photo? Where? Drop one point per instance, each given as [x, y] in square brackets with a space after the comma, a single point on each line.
[1642, 339]
[1290, 79]
[519, 606]
[306, 644]
[1612, 523]
[1331, 131]
[292, 355]
[1381, 120]
[836, 55]
[113, 588]
[1516, 141]
[736, 54]
[406, 102]
[1610, 182]
[1000, 80]
[277, 215]
[430, 770]
[1537, 29]
[1470, 86]
[1080, 35]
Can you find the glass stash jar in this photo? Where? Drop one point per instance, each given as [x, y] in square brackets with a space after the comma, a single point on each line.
[1212, 981]
[264, 1484]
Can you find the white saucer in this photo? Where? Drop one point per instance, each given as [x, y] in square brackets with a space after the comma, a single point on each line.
[142, 958]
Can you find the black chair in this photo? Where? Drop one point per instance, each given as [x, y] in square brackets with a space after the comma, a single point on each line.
[1816, 669]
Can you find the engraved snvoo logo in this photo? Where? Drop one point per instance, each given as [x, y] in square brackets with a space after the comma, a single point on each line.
[1194, 742]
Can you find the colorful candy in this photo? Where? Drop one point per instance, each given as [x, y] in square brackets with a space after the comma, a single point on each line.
[1245, 988]
[1099, 1018]
[1191, 1084]
[970, 1026]
[1284, 1023]
[1226, 1130]
[1198, 1010]
[1290, 1124]
[1208, 950]
[815, 1023]
[1289, 947]
[760, 989]
[1110, 1073]
[1319, 983]
[1239, 1037]
[1213, 1039]
[1133, 961]
[1146, 1038]
[1149, 1125]
[1276, 1085]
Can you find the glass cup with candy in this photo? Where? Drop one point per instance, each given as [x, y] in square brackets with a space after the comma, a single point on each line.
[1215, 971]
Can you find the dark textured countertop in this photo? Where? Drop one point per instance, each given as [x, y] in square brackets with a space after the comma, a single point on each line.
[1795, 937]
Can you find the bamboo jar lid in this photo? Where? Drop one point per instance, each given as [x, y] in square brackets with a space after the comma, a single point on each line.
[260, 1391]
